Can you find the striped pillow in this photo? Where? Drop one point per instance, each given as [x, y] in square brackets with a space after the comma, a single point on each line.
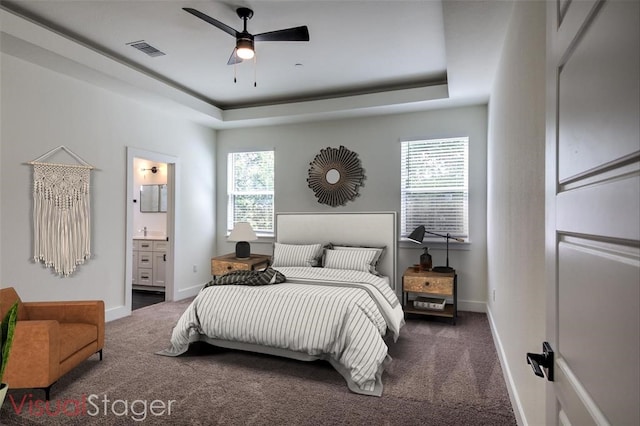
[355, 260]
[296, 254]
[373, 268]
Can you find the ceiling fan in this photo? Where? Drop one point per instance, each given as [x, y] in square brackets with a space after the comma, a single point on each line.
[244, 40]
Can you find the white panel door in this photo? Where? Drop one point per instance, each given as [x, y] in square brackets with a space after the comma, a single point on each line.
[593, 211]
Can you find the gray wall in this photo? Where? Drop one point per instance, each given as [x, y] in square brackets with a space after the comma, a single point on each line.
[516, 207]
[376, 141]
[42, 109]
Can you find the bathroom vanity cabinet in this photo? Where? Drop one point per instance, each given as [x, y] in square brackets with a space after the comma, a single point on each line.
[149, 264]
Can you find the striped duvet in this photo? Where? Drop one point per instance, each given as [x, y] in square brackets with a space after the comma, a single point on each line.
[340, 316]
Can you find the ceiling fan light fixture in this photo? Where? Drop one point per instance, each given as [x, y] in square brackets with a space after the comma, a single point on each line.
[244, 48]
[244, 39]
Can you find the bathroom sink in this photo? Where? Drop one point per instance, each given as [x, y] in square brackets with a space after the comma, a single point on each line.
[150, 236]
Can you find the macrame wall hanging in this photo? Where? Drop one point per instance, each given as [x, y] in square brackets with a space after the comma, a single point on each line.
[61, 213]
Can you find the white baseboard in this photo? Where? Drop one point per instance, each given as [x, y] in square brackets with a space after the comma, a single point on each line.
[118, 312]
[472, 306]
[183, 293]
[506, 371]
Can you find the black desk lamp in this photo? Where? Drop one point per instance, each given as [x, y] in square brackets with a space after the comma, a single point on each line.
[418, 235]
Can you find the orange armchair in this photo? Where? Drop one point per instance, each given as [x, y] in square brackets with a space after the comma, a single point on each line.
[51, 338]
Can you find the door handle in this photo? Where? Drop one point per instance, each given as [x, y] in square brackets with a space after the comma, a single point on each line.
[542, 364]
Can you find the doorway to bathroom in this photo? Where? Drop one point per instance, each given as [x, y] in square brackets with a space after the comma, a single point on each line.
[150, 227]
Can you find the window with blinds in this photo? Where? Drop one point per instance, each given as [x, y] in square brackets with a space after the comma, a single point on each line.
[435, 186]
[250, 188]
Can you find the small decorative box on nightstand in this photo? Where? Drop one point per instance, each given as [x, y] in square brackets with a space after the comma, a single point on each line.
[432, 303]
[227, 263]
[425, 285]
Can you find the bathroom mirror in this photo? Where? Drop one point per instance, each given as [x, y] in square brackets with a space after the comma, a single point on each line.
[153, 198]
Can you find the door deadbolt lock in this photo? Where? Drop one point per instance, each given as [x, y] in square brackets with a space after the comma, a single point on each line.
[542, 364]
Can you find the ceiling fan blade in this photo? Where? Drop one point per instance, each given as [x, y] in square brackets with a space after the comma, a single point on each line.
[224, 27]
[234, 59]
[289, 34]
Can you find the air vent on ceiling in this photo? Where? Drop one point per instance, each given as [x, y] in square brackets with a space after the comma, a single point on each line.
[145, 47]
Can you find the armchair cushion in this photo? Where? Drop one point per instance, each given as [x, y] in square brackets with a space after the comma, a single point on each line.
[82, 312]
[75, 336]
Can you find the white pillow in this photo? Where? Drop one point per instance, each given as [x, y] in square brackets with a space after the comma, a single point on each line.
[296, 254]
[374, 263]
[352, 259]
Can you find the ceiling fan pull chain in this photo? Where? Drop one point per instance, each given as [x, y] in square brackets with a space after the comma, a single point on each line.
[235, 52]
[254, 71]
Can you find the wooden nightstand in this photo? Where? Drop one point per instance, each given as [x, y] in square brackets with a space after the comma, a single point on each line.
[426, 283]
[226, 263]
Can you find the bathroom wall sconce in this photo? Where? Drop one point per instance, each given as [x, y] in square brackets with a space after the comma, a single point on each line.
[153, 169]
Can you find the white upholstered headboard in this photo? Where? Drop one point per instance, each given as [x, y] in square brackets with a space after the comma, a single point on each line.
[374, 229]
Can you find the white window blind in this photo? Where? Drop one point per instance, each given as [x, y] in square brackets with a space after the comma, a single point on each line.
[435, 186]
[250, 188]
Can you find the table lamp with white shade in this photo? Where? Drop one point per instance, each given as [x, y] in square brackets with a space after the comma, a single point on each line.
[242, 233]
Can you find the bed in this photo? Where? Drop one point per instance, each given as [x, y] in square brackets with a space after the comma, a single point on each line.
[337, 303]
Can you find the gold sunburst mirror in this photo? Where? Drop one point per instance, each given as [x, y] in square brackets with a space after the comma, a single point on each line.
[335, 176]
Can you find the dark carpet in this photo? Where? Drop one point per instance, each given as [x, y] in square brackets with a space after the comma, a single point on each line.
[440, 375]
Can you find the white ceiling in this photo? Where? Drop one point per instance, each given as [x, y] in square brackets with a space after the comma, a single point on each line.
[363, 57]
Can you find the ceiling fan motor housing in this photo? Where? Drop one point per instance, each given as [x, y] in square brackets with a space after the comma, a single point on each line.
[244, 13]
[244, 40]
[245, 45]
